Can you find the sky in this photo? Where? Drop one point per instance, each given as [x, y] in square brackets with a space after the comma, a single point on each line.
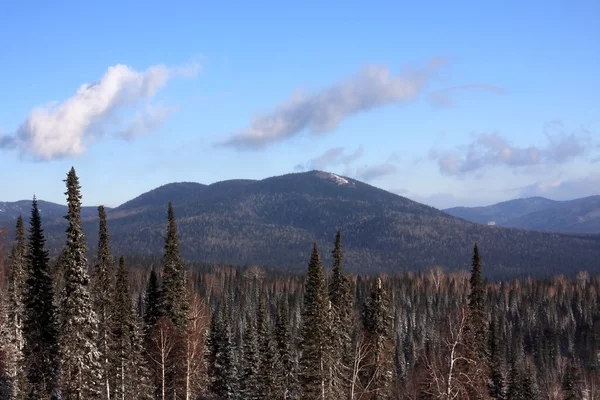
[446, 103]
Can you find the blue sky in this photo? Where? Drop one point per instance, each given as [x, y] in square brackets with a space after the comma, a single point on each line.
[447, 103]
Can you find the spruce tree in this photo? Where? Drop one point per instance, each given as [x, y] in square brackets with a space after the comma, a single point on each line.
[342, 303]
[285, 374]
[174, 298]
[152, 300]
[571, 382]
[496, 379]
[250, 365]
[376, 317]
[477, 324]
[131, 370]
[102, 290]
[267, 356]
[12, 326]
[81, 368]
[41, 350]
[223, 372]
[314, 331]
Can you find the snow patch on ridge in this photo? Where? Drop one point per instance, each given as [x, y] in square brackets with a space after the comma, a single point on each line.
[335, 178]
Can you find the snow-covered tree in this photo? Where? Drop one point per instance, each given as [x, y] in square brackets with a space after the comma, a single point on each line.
[81, 367]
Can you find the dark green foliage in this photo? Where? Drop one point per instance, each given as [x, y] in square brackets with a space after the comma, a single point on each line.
[173, 296]
[153, 302]
[102, 290]
[128, 363]
[496, 378]
[268, 360]
[81, 368]
[341, 297]
[221, 362]
[378, 375]
[41, 349]
[286, 374]
[314, 376]
[477, 323]
[249, 388]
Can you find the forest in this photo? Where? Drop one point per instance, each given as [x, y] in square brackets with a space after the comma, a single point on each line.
[125, 327]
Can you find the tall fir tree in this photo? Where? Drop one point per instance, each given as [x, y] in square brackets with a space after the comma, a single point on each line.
[152, 300]
[286, 378]
[267, 355]
[221, 362]
[81, 368]
[102, 290]
[378, 375]
[250, 364]
[128, 362]
[341, 297]
[496, 378]
[174, 302]
[314, 331]
[12, 326]
[41, 349]
[477, 323]
[174, 298]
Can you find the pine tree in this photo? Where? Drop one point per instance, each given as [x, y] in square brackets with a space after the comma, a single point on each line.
[12, 326]
[250, 366]
[496, 379]
[477, 324]
[314, 376]
[102, 290]
[131, 380]
[342, 299]
[41, 350]
[285, 374]
[174, 298]
[174, 301]
[267, 356]
[153, 302]
[377, 377]
[81, 368]
[222, 369]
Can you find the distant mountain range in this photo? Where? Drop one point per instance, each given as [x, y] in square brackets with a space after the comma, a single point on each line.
[538, 213]
[273, 222]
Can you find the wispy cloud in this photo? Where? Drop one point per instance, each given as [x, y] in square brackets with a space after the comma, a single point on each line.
[488, 150]
[372, 172]
[443, 98]
[321, 112]
[62, 129]
[563, 188]
[332, 157]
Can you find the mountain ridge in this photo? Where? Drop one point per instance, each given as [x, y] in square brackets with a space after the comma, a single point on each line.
[274, 222]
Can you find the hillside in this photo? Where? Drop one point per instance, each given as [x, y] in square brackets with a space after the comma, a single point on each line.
[273, 222]
[537, 213]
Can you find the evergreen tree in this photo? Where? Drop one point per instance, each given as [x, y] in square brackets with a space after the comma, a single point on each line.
[267, 355]
[153, 302]
[41, 351]
[286, 380]
[249, 376]
[477, 324]
[174, 298]
[378, 375]
[496, 379]
[81, 368]
[342, 299]
[131, 380]
[102, 290]
[14, 309]
[314, 331]
[222, 369]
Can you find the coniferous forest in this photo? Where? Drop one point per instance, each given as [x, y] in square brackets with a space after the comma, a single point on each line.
[113, 326]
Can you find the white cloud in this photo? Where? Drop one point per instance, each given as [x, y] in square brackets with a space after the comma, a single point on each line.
[62, 129]
[494, 150]
[442, 97]
[322, 111]
[332, 157]
[563, 189]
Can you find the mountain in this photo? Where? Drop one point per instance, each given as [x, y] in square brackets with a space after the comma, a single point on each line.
[273, 222]
[51, 212]
[538, 213]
